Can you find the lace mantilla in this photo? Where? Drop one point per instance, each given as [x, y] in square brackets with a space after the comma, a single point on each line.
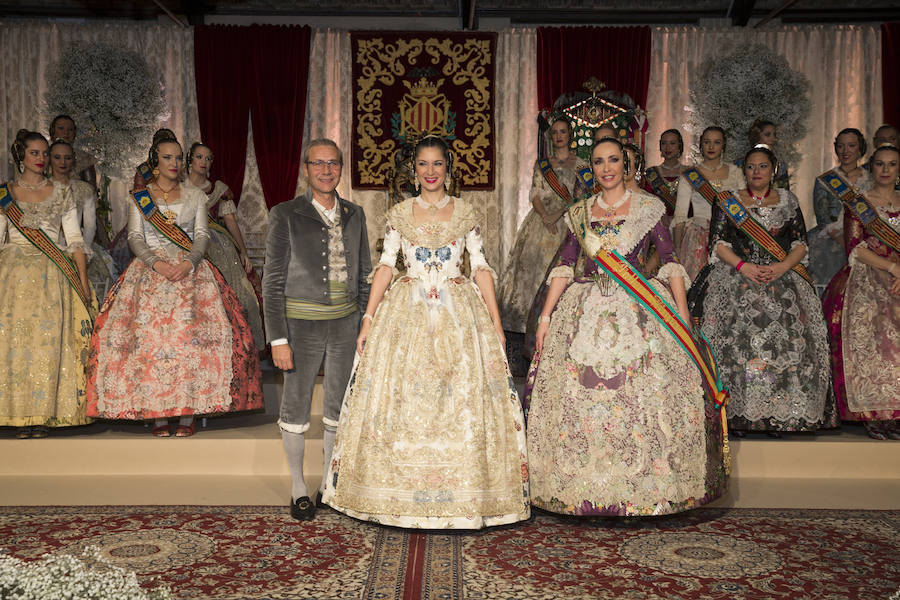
[433, 235]
[643, 215]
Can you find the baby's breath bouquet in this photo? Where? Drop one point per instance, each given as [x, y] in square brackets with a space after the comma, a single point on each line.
[64, 576]
[117, 101]
[746, 83]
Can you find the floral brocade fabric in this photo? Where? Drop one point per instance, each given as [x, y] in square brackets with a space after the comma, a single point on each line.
[431, 431]
[618, 423]
[770, 340]
[534, 248]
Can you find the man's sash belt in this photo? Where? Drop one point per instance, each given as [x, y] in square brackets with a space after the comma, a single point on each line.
[151, 213]
[553, 181]
[860, 206]
[661, 187]
[742, 219]
[624, 274]
[42, 242]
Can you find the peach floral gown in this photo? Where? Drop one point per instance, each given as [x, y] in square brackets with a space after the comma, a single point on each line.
[431, 432]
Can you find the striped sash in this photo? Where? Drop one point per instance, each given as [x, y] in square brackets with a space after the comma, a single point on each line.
[859, 205]
[553, 181]
[42, 242]
[151, 213]
[661, 187]
[742, 219]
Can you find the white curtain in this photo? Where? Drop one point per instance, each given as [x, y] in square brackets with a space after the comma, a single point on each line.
[842, 63]
[28, 48]
[329, 109]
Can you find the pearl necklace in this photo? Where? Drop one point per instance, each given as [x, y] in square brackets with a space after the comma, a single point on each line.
[433, 208]
[32, 186]
[609, 210]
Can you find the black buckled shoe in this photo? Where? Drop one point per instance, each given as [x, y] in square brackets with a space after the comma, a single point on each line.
[303, 509]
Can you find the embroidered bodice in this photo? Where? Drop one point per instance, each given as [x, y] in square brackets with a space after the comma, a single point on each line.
[631, 237]
[566, 176]
[688, 197]
[57, 216]
[856, 235]
[191, 216]
[433, 251]
[783, 221]
[217, 201]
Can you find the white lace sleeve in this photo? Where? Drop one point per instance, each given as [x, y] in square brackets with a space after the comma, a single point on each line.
[72, 231]
[477, 259]
[713, 257]
[392, 243]
[683, 202]
[674, 269]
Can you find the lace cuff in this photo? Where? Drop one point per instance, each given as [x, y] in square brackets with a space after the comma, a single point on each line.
[853, 258]
[713, 257]
[394, 272]
[563, 271]
[226, 207]
[834, 227]
[80, 245]
[805, 260]
[674, 269]
[485, 267]
[676, 220]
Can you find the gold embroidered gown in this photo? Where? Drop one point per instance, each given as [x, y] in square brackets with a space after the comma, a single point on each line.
[44, 329]
[431, 432]
[535, 248]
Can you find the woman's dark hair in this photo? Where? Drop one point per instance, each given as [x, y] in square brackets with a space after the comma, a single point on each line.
[61, 142]
[190, 156]
[621, 146]
[677, 134]
[762, 149]
[754, 134]
[153, 154]
[638, 157]
[720, 130]
[883, 148]
[861, 139]
[22, 138]
[433, 141]
[59, 118]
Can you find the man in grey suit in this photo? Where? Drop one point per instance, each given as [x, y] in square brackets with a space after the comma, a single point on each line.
[315, 287]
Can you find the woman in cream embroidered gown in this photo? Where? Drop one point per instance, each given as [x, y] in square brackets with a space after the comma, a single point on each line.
[101, 268]
[691, 235]
[431, 432]
[541, 231]
[826, 244]
[862, 309]
[618, 423]
[44, 327]
[172, 339]
[763, 321]
[226, 249]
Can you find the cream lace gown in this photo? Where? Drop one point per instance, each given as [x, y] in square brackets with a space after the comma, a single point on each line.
[431, 432]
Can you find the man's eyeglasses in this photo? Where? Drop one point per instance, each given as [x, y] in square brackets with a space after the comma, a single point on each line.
[322, 164]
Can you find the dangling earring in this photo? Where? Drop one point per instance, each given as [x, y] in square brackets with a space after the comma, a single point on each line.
[446, 184]
[155, 172]
[21, 168]
[417, 183]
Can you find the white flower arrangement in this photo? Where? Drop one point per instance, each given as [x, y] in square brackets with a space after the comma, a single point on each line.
[64, 576]
[117, 101]
[747, 83]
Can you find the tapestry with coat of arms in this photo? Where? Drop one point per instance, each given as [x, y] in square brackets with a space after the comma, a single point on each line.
[409, 84]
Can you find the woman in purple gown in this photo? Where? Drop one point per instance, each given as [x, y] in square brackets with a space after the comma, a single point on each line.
[618, 421]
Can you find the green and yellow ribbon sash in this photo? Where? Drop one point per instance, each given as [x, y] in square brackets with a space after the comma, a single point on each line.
[151, 213]
[859, 205]
[742, 219]
[42, 242]
[661, 187]
[553, 181]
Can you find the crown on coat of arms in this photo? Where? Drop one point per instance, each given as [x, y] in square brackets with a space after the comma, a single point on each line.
[422, 88]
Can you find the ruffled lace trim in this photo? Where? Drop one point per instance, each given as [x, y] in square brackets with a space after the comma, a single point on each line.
[674, 269]
[713, 257]
[487, 268]
[71, 248]
[394, 272]
[48, 214]
[775, 216]
[853, 258]
[437, 234]
[805, 260]
[644, 214]
[563, 271]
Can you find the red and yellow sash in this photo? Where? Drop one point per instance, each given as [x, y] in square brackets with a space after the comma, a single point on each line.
[42, 242]
[661, 187]
[169, 229]
[553, 181]
[742, 219]
[859, 205]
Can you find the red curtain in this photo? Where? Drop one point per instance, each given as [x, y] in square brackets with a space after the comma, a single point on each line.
[890, 67]
[569, 56]
[280, 58]
[260, 72]
[223, 99]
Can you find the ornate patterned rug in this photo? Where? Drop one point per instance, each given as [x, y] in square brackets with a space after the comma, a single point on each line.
[260, 552]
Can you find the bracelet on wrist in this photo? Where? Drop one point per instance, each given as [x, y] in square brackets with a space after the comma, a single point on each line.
[543, 319]
[738, 266]
[367, 316]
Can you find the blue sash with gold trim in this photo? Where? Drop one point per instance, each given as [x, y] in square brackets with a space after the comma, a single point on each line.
[151, 213]
[859, 205]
